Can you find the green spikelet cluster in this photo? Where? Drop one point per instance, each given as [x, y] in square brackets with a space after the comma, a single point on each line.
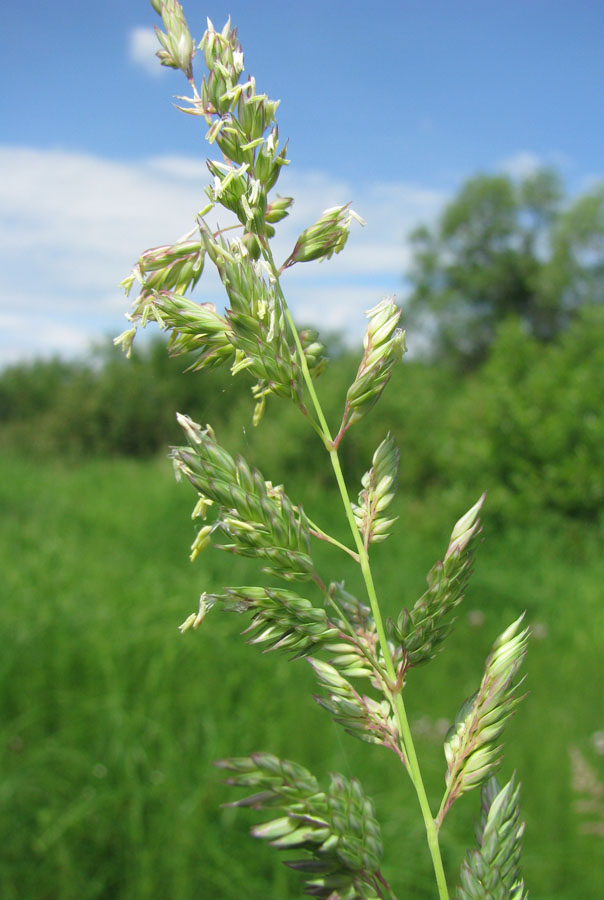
[194, 328]
[379, 486]
[253, 335]
[178, 47]
[176, 267]
[280, 619]
[353, 611]
[360, 716]
[419, 632]
[384, 345]
[328, 235]
[258, 327]
[242, 119]
[358, 655]
[337, 829]
[257, 519]
[471, 747]
[491, 872]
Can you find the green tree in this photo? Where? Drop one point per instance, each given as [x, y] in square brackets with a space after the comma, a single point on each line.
[505, 248]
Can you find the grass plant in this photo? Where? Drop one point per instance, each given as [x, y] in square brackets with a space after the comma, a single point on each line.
[364, 663]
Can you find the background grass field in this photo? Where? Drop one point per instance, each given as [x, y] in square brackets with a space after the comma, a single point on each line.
[111, 719]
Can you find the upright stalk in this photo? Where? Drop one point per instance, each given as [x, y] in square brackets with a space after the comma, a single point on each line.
[395, 694]
[337, 827]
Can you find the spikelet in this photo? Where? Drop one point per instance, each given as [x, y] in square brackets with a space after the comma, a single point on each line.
[384, 345]
[491, 871]
[379, 486]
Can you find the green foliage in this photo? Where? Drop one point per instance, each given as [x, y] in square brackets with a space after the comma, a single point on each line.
[538, 431]
[29, 390]
[505, 248]
[107, 406]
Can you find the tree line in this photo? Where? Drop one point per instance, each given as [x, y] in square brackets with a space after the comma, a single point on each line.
[506, 248]
[508, 286]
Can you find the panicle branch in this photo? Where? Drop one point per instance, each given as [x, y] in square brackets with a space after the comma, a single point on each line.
[471, 747]
[379, 487]
[421, 630]
[281, 619]
[337, 828]
[257, 519]
[384, 345]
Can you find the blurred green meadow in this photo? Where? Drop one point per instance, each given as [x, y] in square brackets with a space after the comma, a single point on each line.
[110, 719]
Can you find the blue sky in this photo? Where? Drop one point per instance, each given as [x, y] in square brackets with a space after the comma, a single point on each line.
[388, 104]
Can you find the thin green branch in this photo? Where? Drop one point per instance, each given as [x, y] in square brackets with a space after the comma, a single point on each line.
[318, 532]
[307, 415]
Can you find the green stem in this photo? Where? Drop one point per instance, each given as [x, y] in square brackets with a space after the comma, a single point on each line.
[399, 706]
[323, 536]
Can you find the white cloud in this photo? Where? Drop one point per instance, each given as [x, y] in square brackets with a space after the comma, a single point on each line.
[142, 47]
[336, 307]
[379, 250]
[46, 338]
[525, 162]
[71, 226]
[521, 164]
[180, 167]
